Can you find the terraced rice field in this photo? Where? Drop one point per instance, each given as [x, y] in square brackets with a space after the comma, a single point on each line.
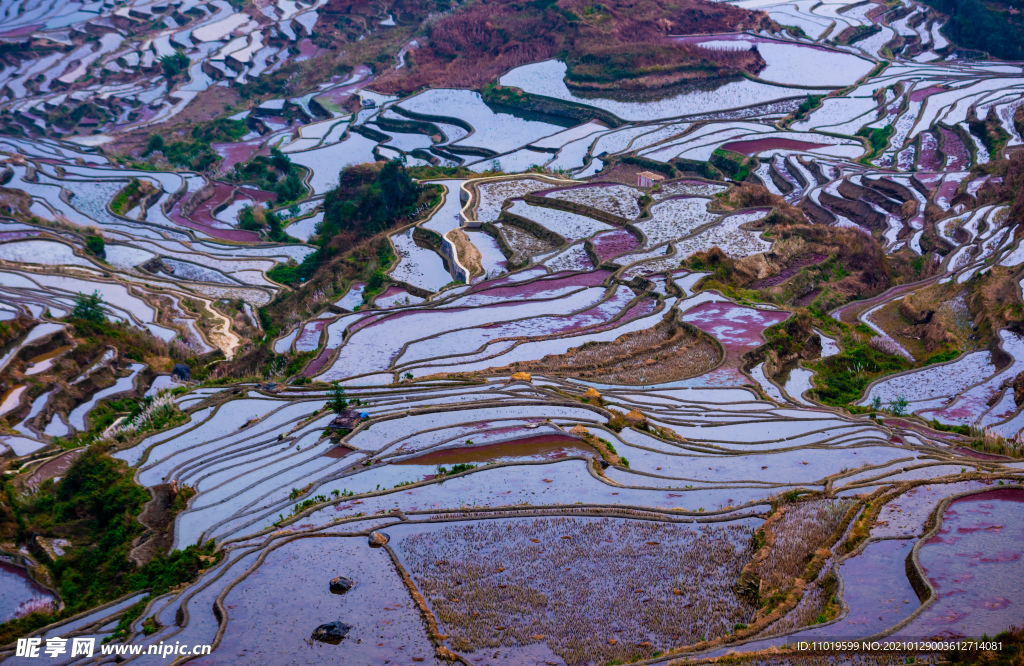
[566, 449]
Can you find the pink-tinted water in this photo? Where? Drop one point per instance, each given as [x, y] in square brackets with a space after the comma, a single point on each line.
[975, 564]
[755, 146]
[610, 244]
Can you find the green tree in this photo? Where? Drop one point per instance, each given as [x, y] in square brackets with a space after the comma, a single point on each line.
[94, 245]
[174, 64]
[89, 307]
[156, 143]
[336, 399]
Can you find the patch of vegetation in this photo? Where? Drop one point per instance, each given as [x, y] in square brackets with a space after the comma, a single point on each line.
[95, 246]
[812, 102]
[842, 378]
[89, 307]
[93, 505]
[942, 427]
[732, 164]
[615, 42]
[1011, 652]
[991, 133]
[456, 469]
[336, 400]
[195, 153]
[994, 26]
[174, 64]
[878, 138]
[272, 174]
[369, 199]
[257, 218]
[942, 357]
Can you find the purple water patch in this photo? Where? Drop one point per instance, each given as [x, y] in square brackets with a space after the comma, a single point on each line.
[610, 244]
[948, 189]
[309, 338]
[965, 411]
[755, 146]
[923, 94]
[238, 152]
[975, 564]
[19, 595]
[957, 156]
[16, 235]
[318, 364]
[201, 219]
[519, 291]
[308, 50]
[539, 447]
[362, 76]
[22, 30]
[928, 159]
[738, 328]
[876, 588]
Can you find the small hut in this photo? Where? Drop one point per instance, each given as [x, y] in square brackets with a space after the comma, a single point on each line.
[648, 179]
[346, 420]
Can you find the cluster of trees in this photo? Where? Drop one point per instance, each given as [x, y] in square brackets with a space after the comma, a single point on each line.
[369, 199]
[257, 218]
[174, 64]
[272, 174]
[195, 152]
[986, 26]
[94, 505]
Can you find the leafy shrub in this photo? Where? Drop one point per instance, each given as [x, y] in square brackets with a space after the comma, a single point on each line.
[89, 307]
[94, 245]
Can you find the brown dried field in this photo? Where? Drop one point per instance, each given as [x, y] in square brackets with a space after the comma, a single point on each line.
[593, 590]
[666, 352]
[523, 244]
[801, 530]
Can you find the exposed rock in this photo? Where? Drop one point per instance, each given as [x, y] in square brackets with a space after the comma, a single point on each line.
[754, 267]
[341, 585]
[378, 539]
[332, 632]
[521, 377]
[181, 372]
[1018, 389]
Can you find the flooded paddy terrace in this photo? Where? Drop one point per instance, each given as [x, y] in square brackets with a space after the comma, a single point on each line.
[571, 460]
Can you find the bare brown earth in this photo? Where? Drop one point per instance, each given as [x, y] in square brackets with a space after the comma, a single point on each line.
[666, 352]
[468, 254]
[619, 42]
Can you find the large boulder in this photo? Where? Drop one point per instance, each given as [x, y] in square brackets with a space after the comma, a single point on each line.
[341, 585]
[181, 372]
[332, 632]
[378, 539]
